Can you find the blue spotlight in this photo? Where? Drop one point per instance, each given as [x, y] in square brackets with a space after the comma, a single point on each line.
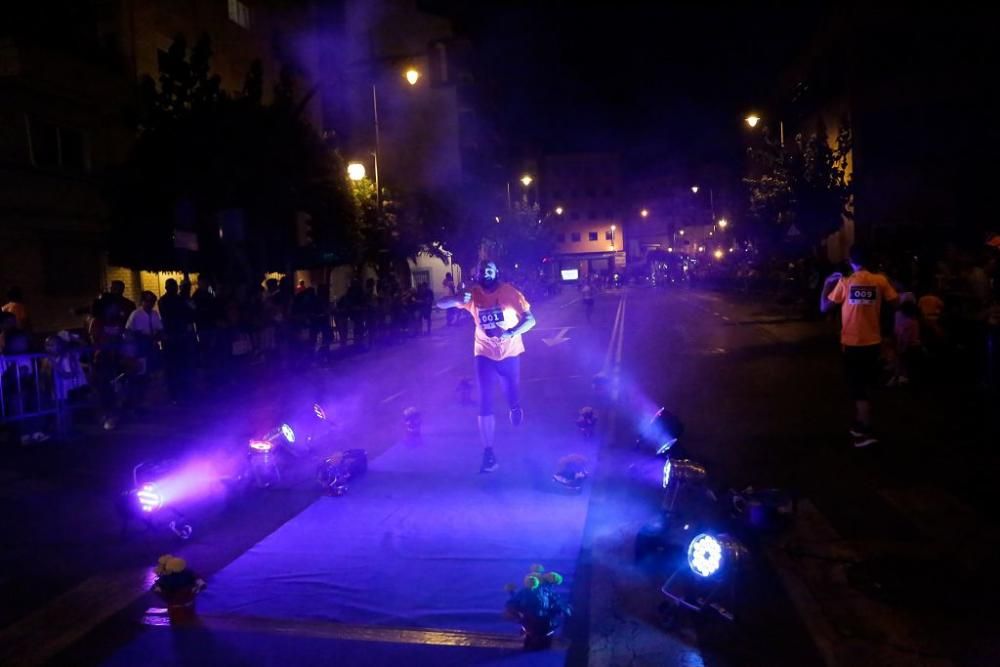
[708, 555]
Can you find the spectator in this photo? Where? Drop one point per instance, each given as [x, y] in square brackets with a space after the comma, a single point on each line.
[931, 307]
[206, 318]
[15, 306]
[319, 326]
[449, 290]
[147, 327]
[177, 314]
[907, 334]
[8, 328]
[425, 303]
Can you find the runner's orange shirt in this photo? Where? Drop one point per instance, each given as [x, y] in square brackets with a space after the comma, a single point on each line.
[493, 312]
[861, 295]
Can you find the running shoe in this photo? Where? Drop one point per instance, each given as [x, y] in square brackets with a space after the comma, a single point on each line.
[489, 461]
[516, 415]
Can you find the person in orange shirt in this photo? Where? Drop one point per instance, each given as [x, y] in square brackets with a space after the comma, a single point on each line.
[502, 315]
[860, 296]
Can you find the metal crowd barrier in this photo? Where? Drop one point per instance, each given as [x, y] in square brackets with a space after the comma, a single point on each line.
[35, 385]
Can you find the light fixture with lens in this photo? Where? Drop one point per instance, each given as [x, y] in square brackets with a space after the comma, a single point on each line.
[149, 498]
[710, 555]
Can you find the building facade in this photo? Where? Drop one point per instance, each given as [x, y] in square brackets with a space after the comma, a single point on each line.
[581, 197]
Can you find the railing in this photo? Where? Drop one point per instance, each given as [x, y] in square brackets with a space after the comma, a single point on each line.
[38, 385]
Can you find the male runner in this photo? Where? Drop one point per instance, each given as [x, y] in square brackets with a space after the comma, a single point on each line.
[502, 315]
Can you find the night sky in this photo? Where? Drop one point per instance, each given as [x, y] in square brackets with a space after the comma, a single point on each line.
[666, 85]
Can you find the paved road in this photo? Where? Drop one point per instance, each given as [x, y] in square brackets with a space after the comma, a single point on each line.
[869, 573]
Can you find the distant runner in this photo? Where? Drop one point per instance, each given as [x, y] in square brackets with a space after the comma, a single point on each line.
[502, 315]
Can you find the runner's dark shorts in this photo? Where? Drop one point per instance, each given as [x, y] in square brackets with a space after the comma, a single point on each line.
[487, 371]
[861, 363]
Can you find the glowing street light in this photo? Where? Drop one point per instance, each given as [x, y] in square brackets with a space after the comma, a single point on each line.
[412, 76]
[559, 210]
[356, 171]
[694, 189]
[613, 227]
[526, 180]
[717, 254]
[644, 213]
[681, 232]
[753, 119]
[723, 223]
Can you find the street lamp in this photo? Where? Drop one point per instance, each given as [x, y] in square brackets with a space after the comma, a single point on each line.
[753, 119]
[412, 75]
[356, 171]
[711, 200]
[526, 180]
[644, 213]
[559, 210]
[717, 254]
[723, 223]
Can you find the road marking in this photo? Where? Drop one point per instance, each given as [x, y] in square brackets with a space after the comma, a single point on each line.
[38, 637]
[569, 303]
[444, 370]
[557, 339]
[606, 368]
[393, 397]
[616, 386]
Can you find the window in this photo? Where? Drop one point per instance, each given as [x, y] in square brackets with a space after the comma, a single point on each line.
[561, 237]
[575, 237]
[53, 147]
[592, 236]
[239, 13]
[609, 235]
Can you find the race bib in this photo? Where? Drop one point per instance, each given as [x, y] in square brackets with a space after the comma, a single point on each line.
[490, 318]
[861, 295]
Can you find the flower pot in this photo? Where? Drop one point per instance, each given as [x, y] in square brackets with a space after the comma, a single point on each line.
[180, 605]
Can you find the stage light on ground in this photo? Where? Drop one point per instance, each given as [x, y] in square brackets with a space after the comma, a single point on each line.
[704, 555]
[288, 433]
[149, 498]
[666, 473]
[319, 411]
[709, 555]
[261, 445]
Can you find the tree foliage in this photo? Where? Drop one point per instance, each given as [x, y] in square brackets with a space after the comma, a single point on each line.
[806, 183]
[202, 153]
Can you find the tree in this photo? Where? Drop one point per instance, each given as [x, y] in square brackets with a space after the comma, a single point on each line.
[522, 237]
[202, 155]
[805, 184]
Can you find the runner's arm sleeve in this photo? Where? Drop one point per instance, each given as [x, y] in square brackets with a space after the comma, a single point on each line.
[839, 292]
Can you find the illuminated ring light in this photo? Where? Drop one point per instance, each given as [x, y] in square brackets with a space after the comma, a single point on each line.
[705, 555]
[149, 498]
[319, 411]
[288, 433]
[261, 445]
[666, 473]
